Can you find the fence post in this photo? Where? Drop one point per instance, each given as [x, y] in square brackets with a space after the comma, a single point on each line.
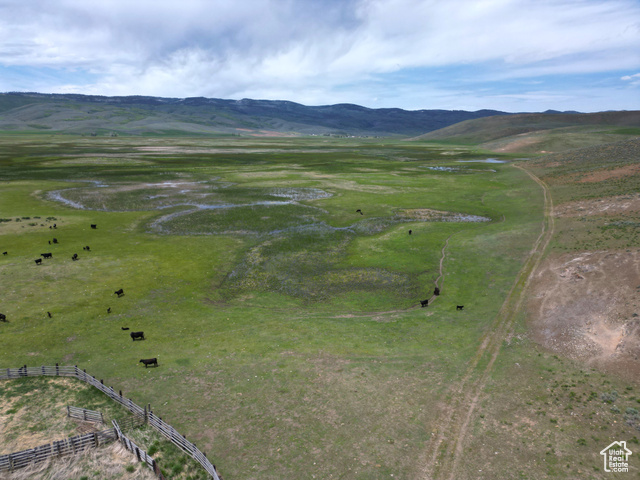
[95, 439]
[57, 369]
[42, 369]
[68, 411]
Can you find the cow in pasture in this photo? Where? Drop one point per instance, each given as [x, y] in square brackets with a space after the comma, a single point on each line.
[55, 240]
[124, 328]
[46, 255]
[3, 317]
[410, 232]
[459, 307]
[94, 226]
[38, 261]
[149, 361]
[55, 226]
[436, 291]
[109, 310]
[119, 292]
[49, 314]
[5, 253]
[74, 257]
[86, 248]
[135, 335]
[359, 211]
[49, 242]
[424, 303]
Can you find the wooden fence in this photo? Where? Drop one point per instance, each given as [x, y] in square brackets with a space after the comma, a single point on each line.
[142, 455]
[59, 448]
[156, 422]
[84, 414]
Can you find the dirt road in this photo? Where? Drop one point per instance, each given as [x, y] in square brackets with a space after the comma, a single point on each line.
[444, 451]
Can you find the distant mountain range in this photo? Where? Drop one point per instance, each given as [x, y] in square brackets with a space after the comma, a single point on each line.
[140, 115]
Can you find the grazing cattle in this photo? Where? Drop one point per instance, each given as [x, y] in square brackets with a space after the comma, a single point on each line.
[38, 261]
[459, 307]
[49, 242]
[436, 291]
[124, 328]
[50, 227]
[49, 314]
[410, 232]
[119, 292]
[359, 211]
[135, 335]
[109, 310]
[424, 303]
[55, 240]
[86, 248]
[46, 255]
[94, 226]
[149, 361]
[5, 253]
[74, 257]
[3, 317]
[54, 226]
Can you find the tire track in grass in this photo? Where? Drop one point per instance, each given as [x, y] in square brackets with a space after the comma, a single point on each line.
[444, 452]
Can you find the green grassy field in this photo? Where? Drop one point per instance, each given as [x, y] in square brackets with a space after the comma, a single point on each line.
[287, 326]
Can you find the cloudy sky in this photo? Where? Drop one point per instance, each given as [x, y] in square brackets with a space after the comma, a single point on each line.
[511, 55]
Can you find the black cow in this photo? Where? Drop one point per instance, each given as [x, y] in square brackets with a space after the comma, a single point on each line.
[424, 303]
[109, 310]
[3, 317]
[55, 240]
[74, 257]
[54, 226]
[436, 291]
[5, 253]
[94, 226]
[410, 232]
[86, 248]
[149, 361]
[124, 328]
[359, 211]
[49, 242]
[135, 335]
[119, 292]
[459, 307]
[46, 255]
[49, 314]
[38, 261]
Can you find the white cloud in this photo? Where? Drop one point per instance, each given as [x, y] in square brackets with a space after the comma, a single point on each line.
[306, 50]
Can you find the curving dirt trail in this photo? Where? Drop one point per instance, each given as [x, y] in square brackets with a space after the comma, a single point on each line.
[444, 451]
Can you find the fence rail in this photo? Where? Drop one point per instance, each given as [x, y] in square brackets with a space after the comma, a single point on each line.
[142, 455]
[59, 448]
[84, 414]
[156, 422]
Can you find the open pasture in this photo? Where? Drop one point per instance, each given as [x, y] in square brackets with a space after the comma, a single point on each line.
[290, 322]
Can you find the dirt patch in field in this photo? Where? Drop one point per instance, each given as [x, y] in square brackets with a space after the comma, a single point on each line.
[611, 174]
[602, 206]
[587, 306]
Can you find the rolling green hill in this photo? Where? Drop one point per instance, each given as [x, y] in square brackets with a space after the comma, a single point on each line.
[540, 132]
